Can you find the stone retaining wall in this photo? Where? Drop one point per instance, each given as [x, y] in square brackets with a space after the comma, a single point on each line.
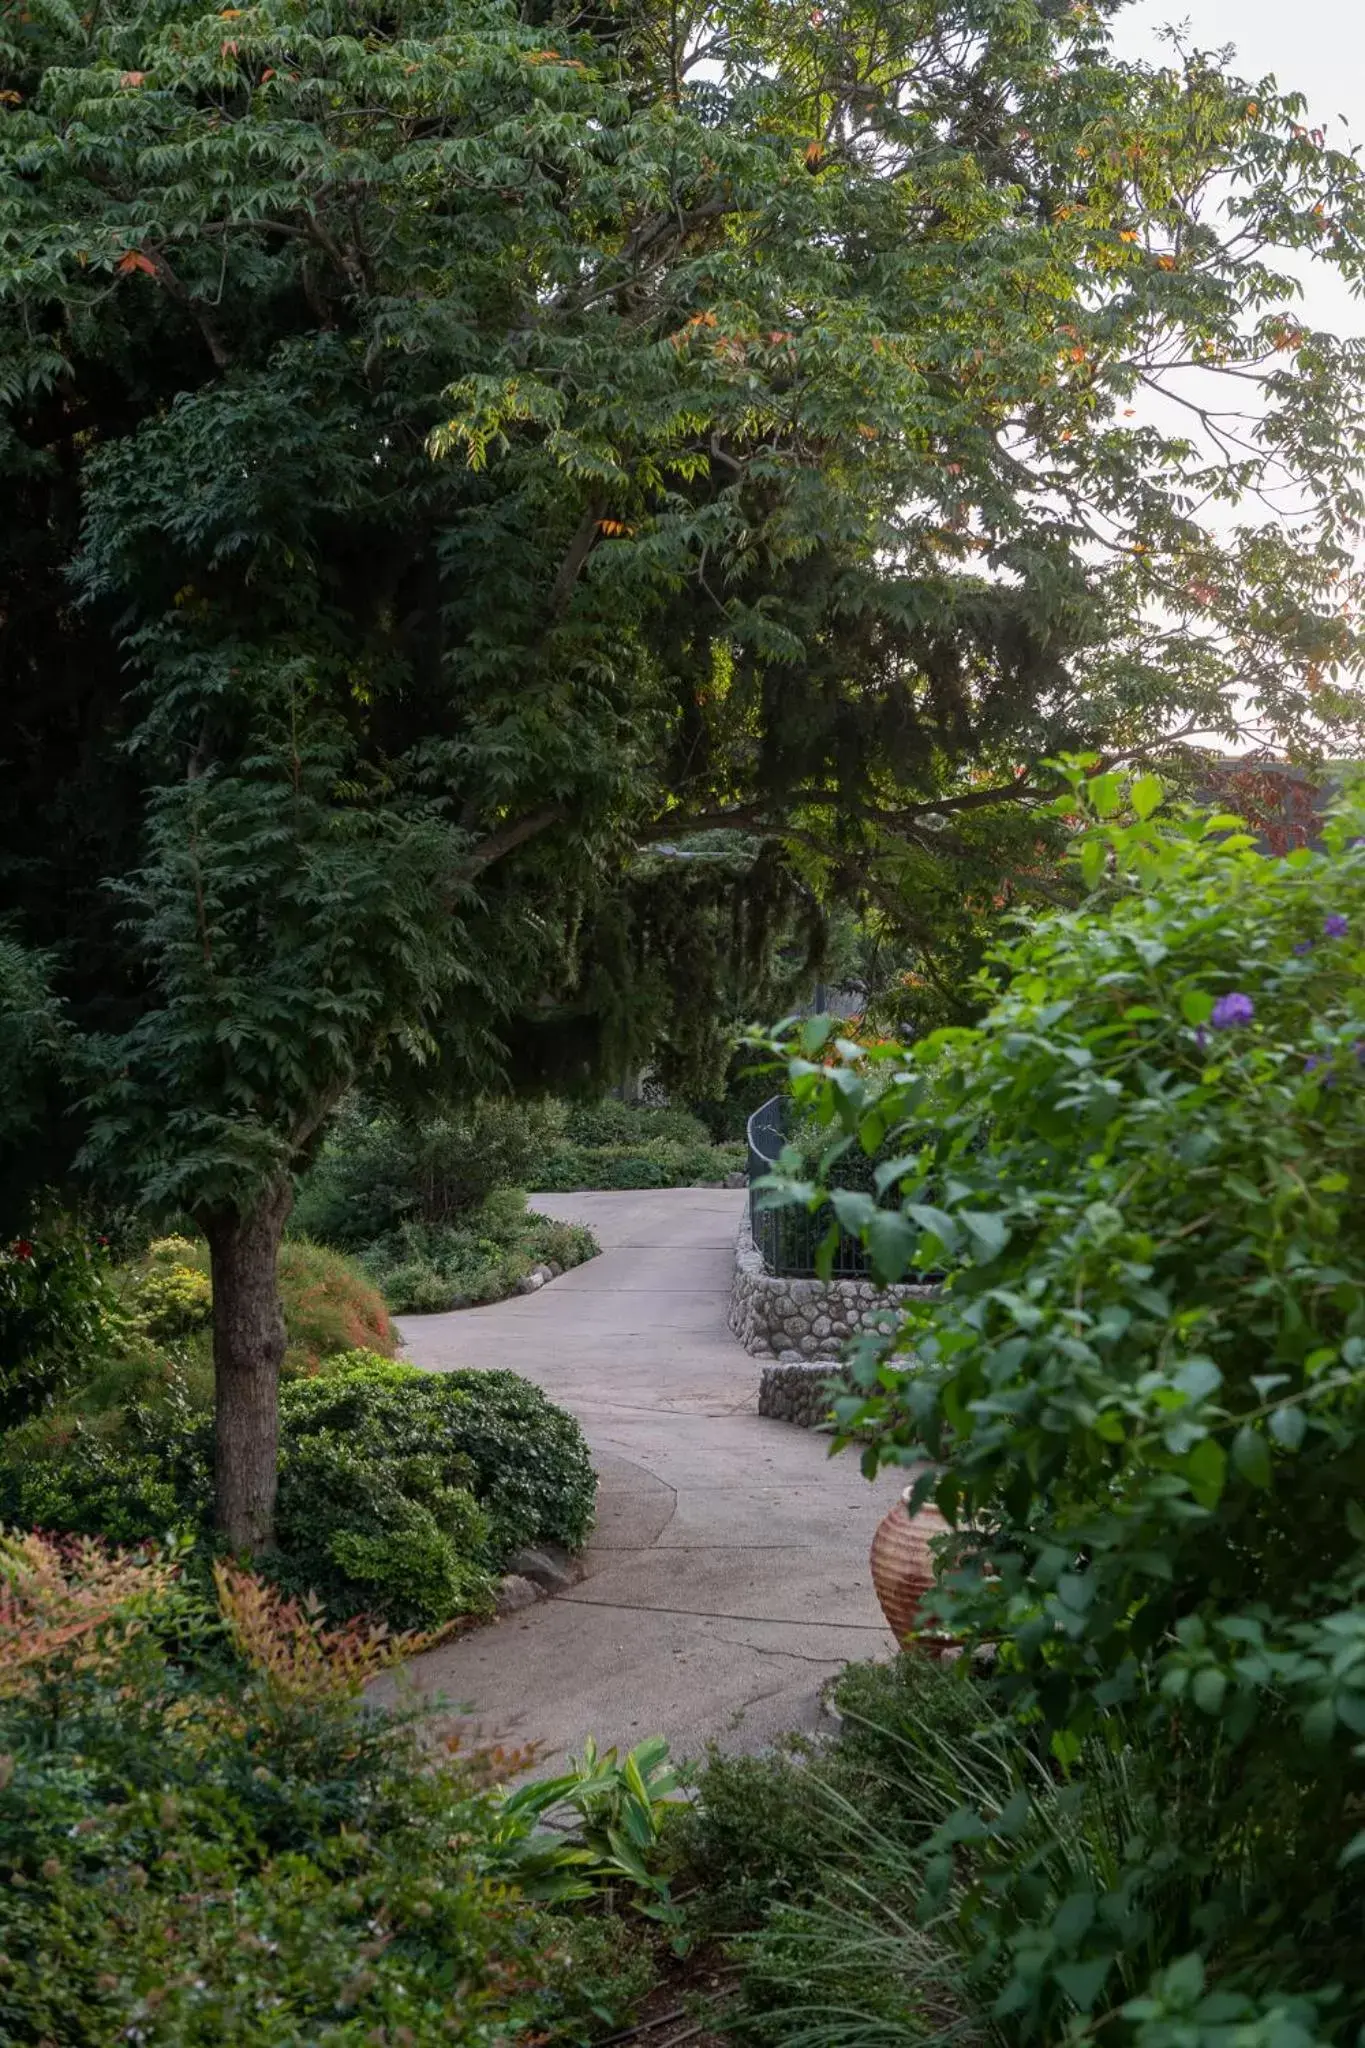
[797, 1393]
[793, 1321]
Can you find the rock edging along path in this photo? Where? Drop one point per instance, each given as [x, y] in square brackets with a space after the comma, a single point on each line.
[727, 1578]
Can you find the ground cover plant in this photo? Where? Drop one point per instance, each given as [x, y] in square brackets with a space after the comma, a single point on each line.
[426, 1268]
[1141, 1403]
[402, 1493]
[205, 1835]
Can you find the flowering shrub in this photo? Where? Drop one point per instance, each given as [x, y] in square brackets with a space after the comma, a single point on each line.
[1143, 1400]
[655, 1163]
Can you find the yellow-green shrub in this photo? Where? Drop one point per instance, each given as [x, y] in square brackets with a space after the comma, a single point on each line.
[172, 1300]
[329, 1303]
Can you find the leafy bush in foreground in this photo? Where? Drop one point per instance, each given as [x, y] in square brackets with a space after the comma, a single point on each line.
[235, 1849]
[1144, 1396]
[401, 1492]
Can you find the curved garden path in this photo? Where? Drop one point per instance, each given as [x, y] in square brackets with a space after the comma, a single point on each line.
[727, 1578]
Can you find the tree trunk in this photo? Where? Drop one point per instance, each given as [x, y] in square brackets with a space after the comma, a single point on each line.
[248, 1345]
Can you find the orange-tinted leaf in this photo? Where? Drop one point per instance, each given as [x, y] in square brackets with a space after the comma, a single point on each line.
[133, 259]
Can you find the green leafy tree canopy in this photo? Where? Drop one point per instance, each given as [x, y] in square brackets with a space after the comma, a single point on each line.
[449, 448]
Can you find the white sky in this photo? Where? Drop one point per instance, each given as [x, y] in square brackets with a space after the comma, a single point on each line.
[1316, 47]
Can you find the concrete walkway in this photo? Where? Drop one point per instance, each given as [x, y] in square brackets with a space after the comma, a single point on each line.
[727, 1578]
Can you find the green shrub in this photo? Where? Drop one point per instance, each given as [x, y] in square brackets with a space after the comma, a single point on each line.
[658, 1164]
[92, 1488]
[418, 1287]
[632, 1124]
[427, 1268]
[379, 1171]
[1143, 1394]
[523, 1458]
[231, 1846]
[171, 1301]
[54, 1307]
[400, 1492]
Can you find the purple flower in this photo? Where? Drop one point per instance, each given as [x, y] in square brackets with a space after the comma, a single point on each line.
[1304, 946]
[1336, 926]
[1233, 1009]
[1201, 1038]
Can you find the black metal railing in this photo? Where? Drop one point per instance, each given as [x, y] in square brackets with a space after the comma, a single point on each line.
[789, 1238]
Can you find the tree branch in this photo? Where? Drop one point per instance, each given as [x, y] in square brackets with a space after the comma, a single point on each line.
[175, 290]
[571, 568]
[508, 837]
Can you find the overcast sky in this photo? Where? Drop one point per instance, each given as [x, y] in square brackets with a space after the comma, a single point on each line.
[1316, 47]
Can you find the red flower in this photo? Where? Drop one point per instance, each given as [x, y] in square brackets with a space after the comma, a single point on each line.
[21, 1248]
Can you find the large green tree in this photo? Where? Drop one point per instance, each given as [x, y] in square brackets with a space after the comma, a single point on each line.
[447, 447]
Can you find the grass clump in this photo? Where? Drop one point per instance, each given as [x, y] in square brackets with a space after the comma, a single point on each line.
[817, 1868]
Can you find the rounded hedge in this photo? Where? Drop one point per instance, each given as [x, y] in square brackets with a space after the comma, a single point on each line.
[402, 1492]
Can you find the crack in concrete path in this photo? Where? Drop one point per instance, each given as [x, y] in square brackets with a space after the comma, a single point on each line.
[767, 1533]
[576, 1599]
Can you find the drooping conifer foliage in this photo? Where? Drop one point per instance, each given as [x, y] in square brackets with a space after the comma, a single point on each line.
[446, 448]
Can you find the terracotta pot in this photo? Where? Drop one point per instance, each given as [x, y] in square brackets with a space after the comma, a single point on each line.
[903, 1567]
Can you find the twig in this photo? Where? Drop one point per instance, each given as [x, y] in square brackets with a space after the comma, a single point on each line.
[664, 2019]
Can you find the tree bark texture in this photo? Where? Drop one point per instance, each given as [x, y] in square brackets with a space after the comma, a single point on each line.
[248, 1346]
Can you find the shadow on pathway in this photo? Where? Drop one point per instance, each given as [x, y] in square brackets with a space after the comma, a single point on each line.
[727, 1577]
